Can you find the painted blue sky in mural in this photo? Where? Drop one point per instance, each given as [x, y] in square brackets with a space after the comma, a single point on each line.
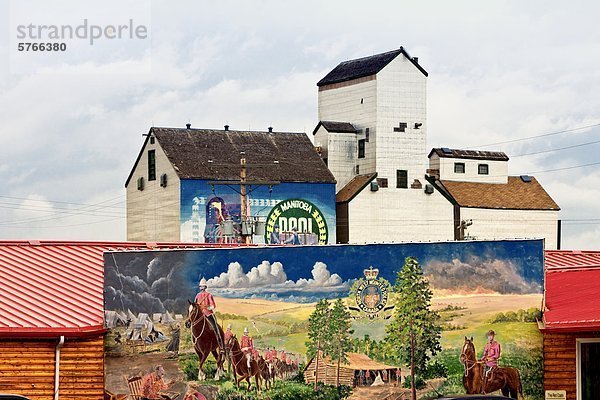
[156, 281]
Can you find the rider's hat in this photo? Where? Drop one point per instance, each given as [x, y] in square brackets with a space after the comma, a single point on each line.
[491, 332]
[202, 283]
[246, 330]
[229, 326]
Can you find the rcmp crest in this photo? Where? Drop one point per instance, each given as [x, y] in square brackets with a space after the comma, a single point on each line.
[372, 294]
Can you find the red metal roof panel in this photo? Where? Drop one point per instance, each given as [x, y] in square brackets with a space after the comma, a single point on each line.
[572, 282]
[50, 288]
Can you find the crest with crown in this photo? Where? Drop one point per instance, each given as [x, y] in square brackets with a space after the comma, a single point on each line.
[371, 273]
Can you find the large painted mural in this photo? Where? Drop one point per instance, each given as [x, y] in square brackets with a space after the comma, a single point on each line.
[292, 213]
[267, 294]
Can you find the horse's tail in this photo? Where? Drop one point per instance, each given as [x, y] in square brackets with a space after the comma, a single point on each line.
[519, 386]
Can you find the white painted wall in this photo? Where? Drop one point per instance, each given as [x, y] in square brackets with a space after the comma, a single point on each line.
[498, 170]
[153, 213]
[340, 149]
[401, 97]
[357, 104]
[512, 224]
[407, 215]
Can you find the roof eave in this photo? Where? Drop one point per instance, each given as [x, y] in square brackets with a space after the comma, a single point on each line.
[52, 332]
[139, 157]
[442, 189]
[374, 175]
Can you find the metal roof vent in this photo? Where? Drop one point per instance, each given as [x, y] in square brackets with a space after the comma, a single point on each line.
[226, 127]
[188, 126]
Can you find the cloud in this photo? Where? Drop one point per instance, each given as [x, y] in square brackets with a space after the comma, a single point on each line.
[270, 280]
[147, 285]
[477, 274]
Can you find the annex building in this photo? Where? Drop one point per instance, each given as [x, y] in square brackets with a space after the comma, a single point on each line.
[372, 134]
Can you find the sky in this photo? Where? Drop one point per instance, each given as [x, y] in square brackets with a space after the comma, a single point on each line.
[71, 122]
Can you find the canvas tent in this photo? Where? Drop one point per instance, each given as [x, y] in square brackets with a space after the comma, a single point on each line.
[114, 319]
[167, 319]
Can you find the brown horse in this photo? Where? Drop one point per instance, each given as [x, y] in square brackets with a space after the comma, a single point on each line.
[507, 380]
[265, 371]
[204, 339]
[240, 364]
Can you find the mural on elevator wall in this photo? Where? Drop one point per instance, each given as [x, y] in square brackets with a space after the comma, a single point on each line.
[285, 213]
[264, 296]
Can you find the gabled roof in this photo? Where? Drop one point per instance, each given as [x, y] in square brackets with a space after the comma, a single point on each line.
[572, 281]
[354, 187]
[215, 155]
[335, 127]
[445, 152]
[50, 288]
[514, 195]
[366, 66]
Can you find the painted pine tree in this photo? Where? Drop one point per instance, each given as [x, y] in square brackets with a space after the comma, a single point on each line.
[318, 334]
[413, 336]
[339, 330]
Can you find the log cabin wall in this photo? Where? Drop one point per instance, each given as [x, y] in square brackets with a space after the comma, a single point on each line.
[27, 368]
[560, 361]
[328, 374]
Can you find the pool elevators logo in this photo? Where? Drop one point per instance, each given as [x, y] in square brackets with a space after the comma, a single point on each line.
[297, 217]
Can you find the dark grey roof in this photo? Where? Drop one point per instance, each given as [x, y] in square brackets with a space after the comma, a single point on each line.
[335, 126]
[361, 67]
[470, 154]
[189, 151]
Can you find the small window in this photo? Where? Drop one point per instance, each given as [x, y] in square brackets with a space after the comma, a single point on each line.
[459, 167]
[151, 139]
[361, 101]
[361, 148]
[151, 165]
[357, 169]
[401, 127]
[382, 182]
[402, 179]
[483, 169]
[367, 134]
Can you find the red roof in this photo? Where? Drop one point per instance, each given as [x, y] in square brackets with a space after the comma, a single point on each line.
[51, 288]
[572, 287]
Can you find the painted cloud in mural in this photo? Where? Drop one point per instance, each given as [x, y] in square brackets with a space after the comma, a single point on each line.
[478, 274]
[270, 279]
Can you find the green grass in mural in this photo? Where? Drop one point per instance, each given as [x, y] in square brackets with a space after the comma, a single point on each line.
[293, 343]
[522, 334]
[294, 315]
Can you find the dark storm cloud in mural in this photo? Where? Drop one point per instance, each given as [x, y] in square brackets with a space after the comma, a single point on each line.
[147, 282]
[158, 281]
[499, 276]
